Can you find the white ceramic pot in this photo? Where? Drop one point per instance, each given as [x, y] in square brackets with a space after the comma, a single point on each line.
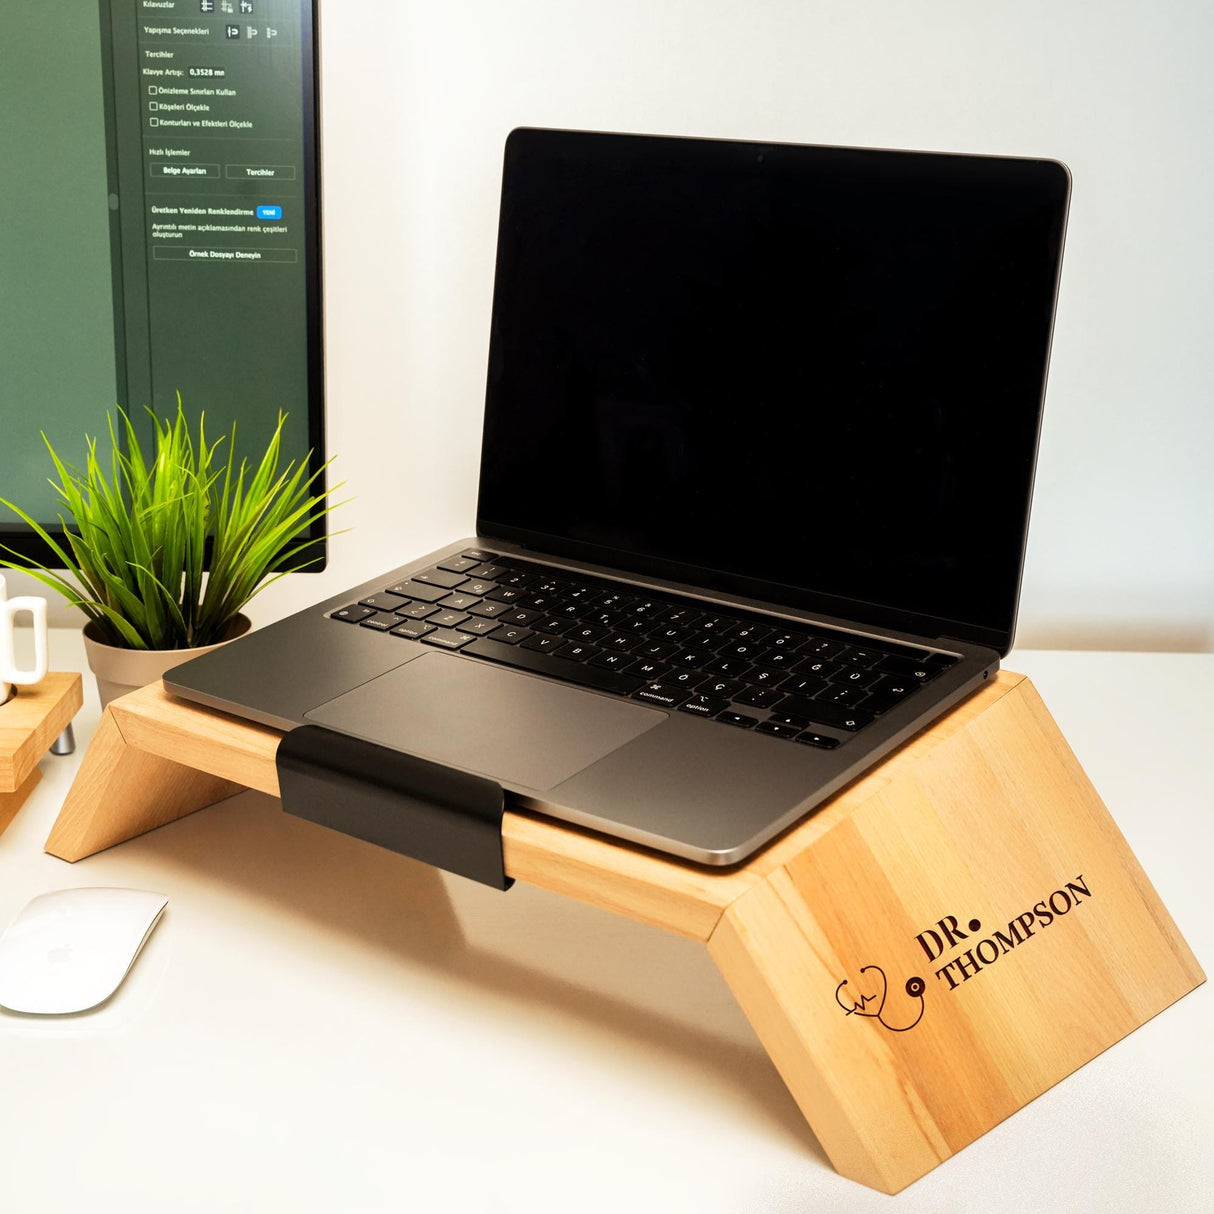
[121, 670]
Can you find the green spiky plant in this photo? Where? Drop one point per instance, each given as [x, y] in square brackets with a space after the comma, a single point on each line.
[139, 535]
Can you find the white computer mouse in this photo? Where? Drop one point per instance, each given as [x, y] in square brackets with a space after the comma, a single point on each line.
[69, 950]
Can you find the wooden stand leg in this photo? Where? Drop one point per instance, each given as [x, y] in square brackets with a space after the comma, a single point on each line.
[964, 938]
[121, 792]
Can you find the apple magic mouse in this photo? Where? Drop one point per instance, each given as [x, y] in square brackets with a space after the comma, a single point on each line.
[69, 950]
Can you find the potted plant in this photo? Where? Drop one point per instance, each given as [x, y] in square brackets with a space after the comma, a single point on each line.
[141, 534]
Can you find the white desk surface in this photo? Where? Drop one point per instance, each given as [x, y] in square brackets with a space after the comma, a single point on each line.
[319, 1025]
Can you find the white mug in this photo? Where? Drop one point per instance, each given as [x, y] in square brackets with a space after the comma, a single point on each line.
[9, 671]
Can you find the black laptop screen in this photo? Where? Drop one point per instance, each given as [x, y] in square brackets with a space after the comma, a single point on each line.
[815, 367]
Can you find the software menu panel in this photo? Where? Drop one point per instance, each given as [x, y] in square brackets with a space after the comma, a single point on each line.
[212, 159]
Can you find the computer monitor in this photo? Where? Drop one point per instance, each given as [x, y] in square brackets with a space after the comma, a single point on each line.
[173, 246]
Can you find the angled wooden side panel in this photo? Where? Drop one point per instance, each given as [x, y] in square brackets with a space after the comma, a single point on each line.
[969, 935]
[120, 792]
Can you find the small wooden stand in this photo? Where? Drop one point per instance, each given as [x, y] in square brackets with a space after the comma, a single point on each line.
[29, 723]
[943, 941]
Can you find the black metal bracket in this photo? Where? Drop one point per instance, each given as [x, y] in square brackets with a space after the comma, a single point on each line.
[443, 817]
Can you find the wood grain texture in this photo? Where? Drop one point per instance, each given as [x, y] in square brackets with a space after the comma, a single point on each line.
[31, 721]
[683, 898]
[11, 802]
[988, 825]
[120, 792]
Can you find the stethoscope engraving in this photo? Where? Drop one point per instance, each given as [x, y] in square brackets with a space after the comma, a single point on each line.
[914, 988]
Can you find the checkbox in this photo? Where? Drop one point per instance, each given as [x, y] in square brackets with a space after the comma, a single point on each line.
[152, 105]
[153, 122]
[151, 90]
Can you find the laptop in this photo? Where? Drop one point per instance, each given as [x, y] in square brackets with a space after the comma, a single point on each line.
[760, 430]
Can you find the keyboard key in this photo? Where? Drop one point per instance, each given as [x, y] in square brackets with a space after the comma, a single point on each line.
[821, 668]
[505, 594]
[687, 679]
[448, 638]
[735, 668]
[459, 601]
[921, 672]
[804, 685]
[789, 642]
[421, 592]
[750, 650]
[748, 632]
[853, 676]
[820, 740]
[417, 611]
[545, 601]
[440, 577]
[448, 618]
[385, 602]
[784, 718]
[584, 674]
[759, 697]
[352, 614]
[776, 729]
[716, 623]
[479, 554]
[665, 631]
[760, 676]
[781, 659]
[858, 655]
[726, 688]
[458, 564]
[737, 718]
[513, 577]
[657, 651]
[412, 630]
[488, 573]
[542, 642]
[683, 616]
[479, 626]
[666, 694]
[522, 615]
[618, 640]
[822, 647]
[587, 632]
[382, 621]
[477, 586]
[943, 660]
[652, 671]
[835, 716]
[490, 609]
[692, 659]
[613, 601]
[577, 651]
[704, 706]
[512, 634]
[849, 697]
[611, 660]
[650, 609]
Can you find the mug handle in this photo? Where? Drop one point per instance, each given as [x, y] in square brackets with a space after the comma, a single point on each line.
[9, 672]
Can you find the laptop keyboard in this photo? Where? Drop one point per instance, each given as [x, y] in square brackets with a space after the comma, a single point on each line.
[744, 670]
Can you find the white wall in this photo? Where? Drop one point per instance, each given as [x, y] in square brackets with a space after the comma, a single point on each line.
[418, 98]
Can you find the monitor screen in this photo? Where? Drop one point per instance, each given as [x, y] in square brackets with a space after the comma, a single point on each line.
[190, 234]
[816, 369]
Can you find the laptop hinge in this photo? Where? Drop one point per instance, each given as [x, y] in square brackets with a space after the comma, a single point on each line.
[436, 814]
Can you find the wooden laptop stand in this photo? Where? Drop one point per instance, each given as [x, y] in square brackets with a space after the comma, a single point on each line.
[943, 941]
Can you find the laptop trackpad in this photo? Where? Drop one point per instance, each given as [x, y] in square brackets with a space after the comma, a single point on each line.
[517, 729]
